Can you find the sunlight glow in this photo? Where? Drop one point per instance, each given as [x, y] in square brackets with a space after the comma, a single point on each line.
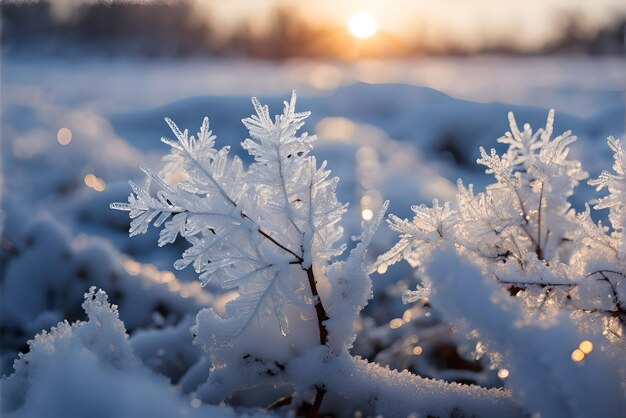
[363, 25]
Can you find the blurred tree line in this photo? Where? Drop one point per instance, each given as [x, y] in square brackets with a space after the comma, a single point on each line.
[174, 29]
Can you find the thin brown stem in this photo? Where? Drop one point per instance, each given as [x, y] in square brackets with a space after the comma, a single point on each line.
[320, 311]
[322, 316]
[279, 245]
[319, 397]
[535, 244]
[528, 284]
[538, 248]
[606, 271]
[319, 307]
[620, 308]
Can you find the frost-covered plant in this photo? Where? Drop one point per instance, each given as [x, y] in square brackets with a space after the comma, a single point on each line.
[93, 362]
[146, 296]
[565, 271]
[524, 217]
[271, 233]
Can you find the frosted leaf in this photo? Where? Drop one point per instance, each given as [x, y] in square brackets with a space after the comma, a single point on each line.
[257, 231]
[522, 230]
[298, 198]
[500, 167]
[614, 201]
[173, 228]
[524, 144]
[434, 219]
[428, 226]
[411, 296]
[275, 141]
[596, 233]
[190, 155]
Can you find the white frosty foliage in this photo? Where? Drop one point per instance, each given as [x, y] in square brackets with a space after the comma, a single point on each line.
[88, 369]
[272, 233]
[525, 217]
[615, 200]
[289, 186]
[564, 269]
[254, 230]
[428, 226]
[351, 288]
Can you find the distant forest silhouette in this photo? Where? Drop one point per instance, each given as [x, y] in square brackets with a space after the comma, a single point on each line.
[161, 30]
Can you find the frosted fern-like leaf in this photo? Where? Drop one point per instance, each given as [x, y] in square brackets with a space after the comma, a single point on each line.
[500, 167]
[523, 216]
[524, 144]
[411, 296]
[614, 183]
[428, 225]
[256, 231]
[596, 233]
[614, 201]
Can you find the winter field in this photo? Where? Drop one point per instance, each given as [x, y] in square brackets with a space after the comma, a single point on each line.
[74, 132]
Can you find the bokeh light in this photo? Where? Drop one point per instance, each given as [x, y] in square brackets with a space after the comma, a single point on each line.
[586, 346]
[95, 183]
[578, 355]
[64, 136]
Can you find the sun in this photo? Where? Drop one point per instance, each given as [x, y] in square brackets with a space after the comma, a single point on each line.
[363, 25]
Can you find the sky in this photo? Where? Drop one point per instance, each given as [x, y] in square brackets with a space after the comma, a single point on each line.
[529, 23]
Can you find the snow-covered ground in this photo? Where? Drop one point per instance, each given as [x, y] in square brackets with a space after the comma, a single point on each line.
[573, 84]
[397, 130]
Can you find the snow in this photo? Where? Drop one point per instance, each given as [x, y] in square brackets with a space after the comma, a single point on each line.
[531, 296]
[402, 131]
[92, 362]
[536, 351]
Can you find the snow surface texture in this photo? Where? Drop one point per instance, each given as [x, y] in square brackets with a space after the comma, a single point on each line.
[283, 173]
[88, 369]
[58, 267]
[536, 352]
[383, 141]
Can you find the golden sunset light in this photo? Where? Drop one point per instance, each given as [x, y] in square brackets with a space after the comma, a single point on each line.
[363, 25]
[363, 208]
